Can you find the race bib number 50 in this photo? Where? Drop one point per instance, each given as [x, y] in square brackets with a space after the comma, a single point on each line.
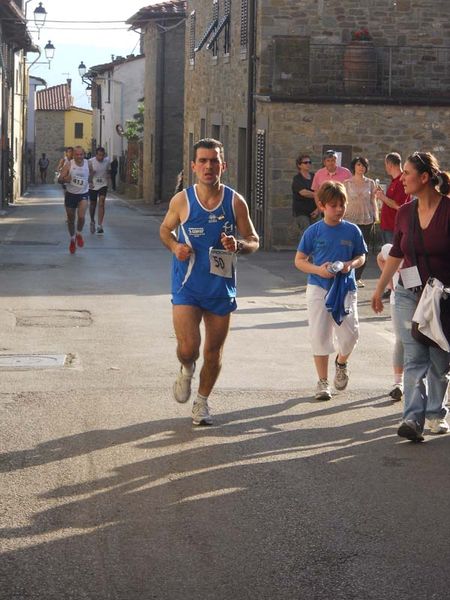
[221, 262]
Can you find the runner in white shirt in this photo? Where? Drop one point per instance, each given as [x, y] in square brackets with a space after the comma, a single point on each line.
[76, 175]
[100, 166]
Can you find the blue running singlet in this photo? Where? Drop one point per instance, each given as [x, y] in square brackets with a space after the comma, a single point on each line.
[201, 231]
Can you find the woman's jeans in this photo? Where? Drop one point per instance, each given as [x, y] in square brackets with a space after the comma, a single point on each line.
[366, 230]
[426, 368]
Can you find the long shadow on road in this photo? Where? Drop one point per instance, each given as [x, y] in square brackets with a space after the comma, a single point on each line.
[268, 504]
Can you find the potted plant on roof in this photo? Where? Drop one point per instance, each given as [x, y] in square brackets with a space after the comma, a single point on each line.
[360, 64]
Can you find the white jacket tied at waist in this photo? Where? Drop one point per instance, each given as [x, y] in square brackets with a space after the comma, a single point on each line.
[428, 312]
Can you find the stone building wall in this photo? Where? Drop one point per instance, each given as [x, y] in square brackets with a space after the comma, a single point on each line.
[399, 23]
[172, 110]
[164, 110]
[371, 131]
[287, 33]
[216, 89]
[49, 138]
[150, 92]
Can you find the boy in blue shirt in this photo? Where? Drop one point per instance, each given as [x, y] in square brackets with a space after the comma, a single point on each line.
[331, 239]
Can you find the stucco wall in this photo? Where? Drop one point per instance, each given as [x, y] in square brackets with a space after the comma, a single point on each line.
[78, 116]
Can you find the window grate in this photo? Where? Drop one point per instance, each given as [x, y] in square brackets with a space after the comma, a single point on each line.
[260, 170]
[192, 37]
[244, 24]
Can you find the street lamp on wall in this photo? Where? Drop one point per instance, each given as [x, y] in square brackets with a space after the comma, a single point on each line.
[40, 15]
[82, 69]
[49, 50]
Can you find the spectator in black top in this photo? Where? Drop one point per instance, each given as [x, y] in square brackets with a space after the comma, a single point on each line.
[113, 171]
[303, 205]
[43, 166]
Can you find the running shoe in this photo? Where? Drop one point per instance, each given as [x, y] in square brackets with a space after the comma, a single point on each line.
[411, 431]
[200, 413]
[341, 376]
[438, 425]
[323, 391]
[100, 230]
[72, 246]
[92, 227]
[80, 241]
[182, 386]
[397, 392]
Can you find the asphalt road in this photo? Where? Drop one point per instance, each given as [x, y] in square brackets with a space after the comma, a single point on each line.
[108, 493]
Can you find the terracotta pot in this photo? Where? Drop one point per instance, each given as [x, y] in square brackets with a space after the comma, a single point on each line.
[360, 68]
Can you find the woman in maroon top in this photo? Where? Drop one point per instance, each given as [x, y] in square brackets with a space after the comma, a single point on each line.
[426, 368]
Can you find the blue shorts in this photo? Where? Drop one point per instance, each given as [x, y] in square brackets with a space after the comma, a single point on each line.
[217, 306]
[72, 200]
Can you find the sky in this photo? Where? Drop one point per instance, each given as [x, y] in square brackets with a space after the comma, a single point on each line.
[92, 43]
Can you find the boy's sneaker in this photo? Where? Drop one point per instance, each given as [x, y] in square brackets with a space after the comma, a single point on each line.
[182, 386]
[360, 283]
[200, 413]
[100, 230]
[397, 392]
[323, 391]
[92, 227]
[72, 246]
[411, 431]
[80, 241]
[341, 377]
[438, 425]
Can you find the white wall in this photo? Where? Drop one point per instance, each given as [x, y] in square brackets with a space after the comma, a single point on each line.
[126, 88]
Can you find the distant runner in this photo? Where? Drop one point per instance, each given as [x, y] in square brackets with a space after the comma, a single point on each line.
[75, 174]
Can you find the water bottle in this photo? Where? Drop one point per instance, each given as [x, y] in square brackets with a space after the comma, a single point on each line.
[335, 267]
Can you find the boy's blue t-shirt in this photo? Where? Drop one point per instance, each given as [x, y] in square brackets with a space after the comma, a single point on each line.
[325, 243]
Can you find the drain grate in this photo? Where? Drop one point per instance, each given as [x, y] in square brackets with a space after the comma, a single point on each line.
[53, 318]
[32, 361]
[27, 267]
[27, 243]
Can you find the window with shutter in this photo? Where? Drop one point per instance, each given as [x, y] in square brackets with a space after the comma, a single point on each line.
[210, 28]
[78, 131]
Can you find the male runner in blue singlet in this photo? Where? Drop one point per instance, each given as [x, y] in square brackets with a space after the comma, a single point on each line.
[207, 217]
